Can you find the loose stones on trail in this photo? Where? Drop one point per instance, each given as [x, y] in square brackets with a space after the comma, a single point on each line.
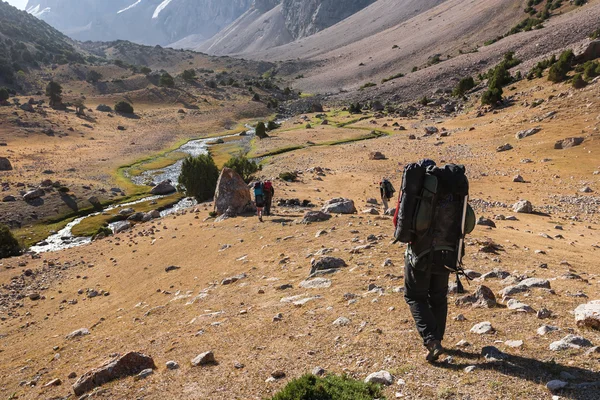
[483, 328]
[326, 265]
[128, 365]
[570, 342]
[339, 206]
[381, 377]
[588, 315]
[207, 358]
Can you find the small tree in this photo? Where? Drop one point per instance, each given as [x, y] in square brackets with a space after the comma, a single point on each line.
[145, 70]
[189, 75]
[244, 167]
[124, 107]
[199, 177]
[79, 106]
[93, 76]
[54, 92]
[464, 85]
[272, 125]
[9, 246]
[261, 130]
[578, 82]
[558, 71]
[166, 80]
[4, 94]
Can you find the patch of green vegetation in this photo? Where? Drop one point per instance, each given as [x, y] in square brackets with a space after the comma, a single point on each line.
[499, 77]
[391, 78]
[463, 86]
[306, 95]
[559, 70]
[595, 35]
[9, 245]
[243, 166]
[367, 85]
[157, 163]
[199, 177]
[310, 387]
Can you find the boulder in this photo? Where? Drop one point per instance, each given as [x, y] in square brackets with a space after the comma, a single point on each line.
[78, 333]
[33, 194]
[516, 305]
[5, 164]
[504, 147]
[329, 264]
[103, 108]
[27, 107]
[491, 353]
[165, 187]
[126, 211]
[207, 358]
[381, 377]
[483, 328]
[588, 315]
[518, 179]
[122, 226]
[527, 133]
[315, 216]
[339, 206]
[591, 52]
[523, 207]
[128, 365]
[568, 143]
[482, 298]
[486, 222]
[430, 130]
[232, 192]
[570, 342]
[376, 155]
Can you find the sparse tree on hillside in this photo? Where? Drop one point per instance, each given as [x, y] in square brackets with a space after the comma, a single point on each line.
[54, 92]
[199, 177]
[261, 131]
[244, 167]
[93, 76]
[145, 70]
[9, 246]
[124, 107]
[79, 105]
[189, 75]
[4, 94]
[166, 80]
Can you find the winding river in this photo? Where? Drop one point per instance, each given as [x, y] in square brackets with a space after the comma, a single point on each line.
[64, 239]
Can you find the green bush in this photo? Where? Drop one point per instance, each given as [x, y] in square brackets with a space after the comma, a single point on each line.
[355, 108]
[367, 85]
[558, 71]
[491, 96]
[243, 166]
[4, 94]
[9, 246]
[261, 130]
[288, 176]
[124, 107]
[591, 69]
[189, 75]
[199, 177]
[145, 70]
[595, 35]
[272, 125]
[166, 80]
[391, 78]
[54, 92]
[104, 230]
[578, 82]
[424, 101]
[310, 387]
[464, 85]
[93, 76]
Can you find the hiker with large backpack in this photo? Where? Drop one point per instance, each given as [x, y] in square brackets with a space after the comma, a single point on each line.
[386, 190]
[269, 193]
[259, 199]
[432, 217]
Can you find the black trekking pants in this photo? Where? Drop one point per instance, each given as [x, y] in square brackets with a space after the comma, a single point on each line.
[268, 203]
[426, 292]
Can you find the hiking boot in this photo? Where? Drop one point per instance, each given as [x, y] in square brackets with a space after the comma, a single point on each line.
[435, 350]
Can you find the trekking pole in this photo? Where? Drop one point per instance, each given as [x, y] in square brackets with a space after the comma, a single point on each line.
[461, 242]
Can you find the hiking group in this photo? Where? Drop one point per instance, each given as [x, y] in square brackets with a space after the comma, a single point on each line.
[263, 198]
[432, 216]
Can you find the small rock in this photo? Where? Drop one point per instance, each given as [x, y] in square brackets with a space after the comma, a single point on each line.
[144, 374]
[381, 377]
[78, 333]
[207, 358]
[544, 329]
[556, 385]
[523, 207]
[341, 321]
[483, 328]
[278, 374]
[172, 365]
[318, 371]
[491, 353]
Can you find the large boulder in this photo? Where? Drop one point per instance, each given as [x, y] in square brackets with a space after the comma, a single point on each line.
[165, 187]
[232, 192]
[315, 216]
[122, 226]
[591, 52]
[568, 143]
[339, 206]
[326, 265]
[128, 365]
[523, 206]
[5, 164]
[588, 315]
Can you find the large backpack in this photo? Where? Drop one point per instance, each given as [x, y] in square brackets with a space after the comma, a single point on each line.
[432, 210]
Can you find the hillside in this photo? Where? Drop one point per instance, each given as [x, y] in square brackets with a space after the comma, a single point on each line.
[267, 318]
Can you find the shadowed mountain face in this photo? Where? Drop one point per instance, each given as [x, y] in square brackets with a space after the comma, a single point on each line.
[143, 21]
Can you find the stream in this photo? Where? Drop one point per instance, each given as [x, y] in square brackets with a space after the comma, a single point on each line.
[64, 239]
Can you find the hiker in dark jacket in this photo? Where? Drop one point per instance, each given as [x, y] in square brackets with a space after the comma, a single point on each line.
[386, 190]
[269, 193]
[426, 283]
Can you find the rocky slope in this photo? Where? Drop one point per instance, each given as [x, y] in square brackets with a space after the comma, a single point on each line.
[143, 21]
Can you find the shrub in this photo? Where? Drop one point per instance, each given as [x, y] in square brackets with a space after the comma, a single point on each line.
[124, 107]
[367, 85]
[491, 96]
[93, 76]
[9, 246]
[261, 130]
[104, 230]
[79, 105]
[311, 387]
[188, 75]
[355, 108]
[591, 69]
[391, 78]
[166, 80]
[54, 92]
[424, 101]
[558, 71]
[145, 70]
[578, 82]
[288, 176]
[256, 97]
[272, 125]
[199, 177]
[4, 94]
[308, 126]
[243, 166]
[464, 85]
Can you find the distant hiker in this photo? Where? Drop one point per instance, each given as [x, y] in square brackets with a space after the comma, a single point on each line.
[433, 217]
[259, 199]
[269, 193]
[387, 192]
